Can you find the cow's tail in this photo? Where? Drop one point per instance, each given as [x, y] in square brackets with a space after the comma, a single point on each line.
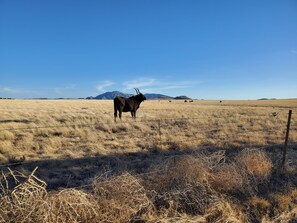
[115, 109]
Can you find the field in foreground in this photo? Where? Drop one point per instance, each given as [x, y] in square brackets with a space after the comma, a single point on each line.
[189, 162]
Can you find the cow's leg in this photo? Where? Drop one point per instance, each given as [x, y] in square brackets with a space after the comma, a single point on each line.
[132, 114]
[120, 115]
[115, 115]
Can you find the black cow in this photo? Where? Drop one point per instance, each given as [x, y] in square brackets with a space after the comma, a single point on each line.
[130, 104]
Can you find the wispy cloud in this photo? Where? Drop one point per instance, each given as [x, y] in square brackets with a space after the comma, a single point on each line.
[101, 87]
[61, 90]
[8, 90]
[148, 85]
[163, 86]
[139, 83]
[16, 92]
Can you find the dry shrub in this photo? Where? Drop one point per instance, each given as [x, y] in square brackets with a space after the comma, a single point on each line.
[191, 200]
[259, 207]
[181, 218]
[71, 205]
[247, 170]
[178, 171]
[284, 201]
[227, 178]
[181, 184]
[286, 216]
[224, 211]
[284, 207]
[120, 198]
[256, 163]
[22, 198]
[25, 199]
[184, 169]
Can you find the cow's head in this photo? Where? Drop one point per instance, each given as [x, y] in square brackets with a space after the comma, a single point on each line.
[139, 95]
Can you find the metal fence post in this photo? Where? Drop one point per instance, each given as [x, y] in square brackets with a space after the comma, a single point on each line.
[286, 141]
[160, 133]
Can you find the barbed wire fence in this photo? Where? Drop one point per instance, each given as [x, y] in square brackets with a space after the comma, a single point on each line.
[159, 126]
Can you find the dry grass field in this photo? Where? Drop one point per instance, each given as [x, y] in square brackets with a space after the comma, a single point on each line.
[203, 161]
[74, 129]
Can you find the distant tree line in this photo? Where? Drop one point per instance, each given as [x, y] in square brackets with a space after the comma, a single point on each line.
[7, 98]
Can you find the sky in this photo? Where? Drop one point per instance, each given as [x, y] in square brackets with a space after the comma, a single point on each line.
[204, 49]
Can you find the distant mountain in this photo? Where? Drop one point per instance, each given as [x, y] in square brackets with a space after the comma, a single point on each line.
[110, 95]
[182, 98]
[113, 94]
[157, 96]
[263, 99]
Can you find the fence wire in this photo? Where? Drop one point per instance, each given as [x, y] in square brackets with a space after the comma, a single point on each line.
[111, 122]
[161, 139]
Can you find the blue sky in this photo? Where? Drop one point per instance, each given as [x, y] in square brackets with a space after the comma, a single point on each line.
[210, 49]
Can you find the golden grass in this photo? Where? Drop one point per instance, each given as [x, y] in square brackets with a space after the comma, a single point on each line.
[78, 128]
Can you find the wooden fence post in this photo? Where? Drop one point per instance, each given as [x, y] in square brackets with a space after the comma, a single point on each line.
[286, 141]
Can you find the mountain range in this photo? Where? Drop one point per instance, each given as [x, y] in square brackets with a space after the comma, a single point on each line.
[113, 94]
